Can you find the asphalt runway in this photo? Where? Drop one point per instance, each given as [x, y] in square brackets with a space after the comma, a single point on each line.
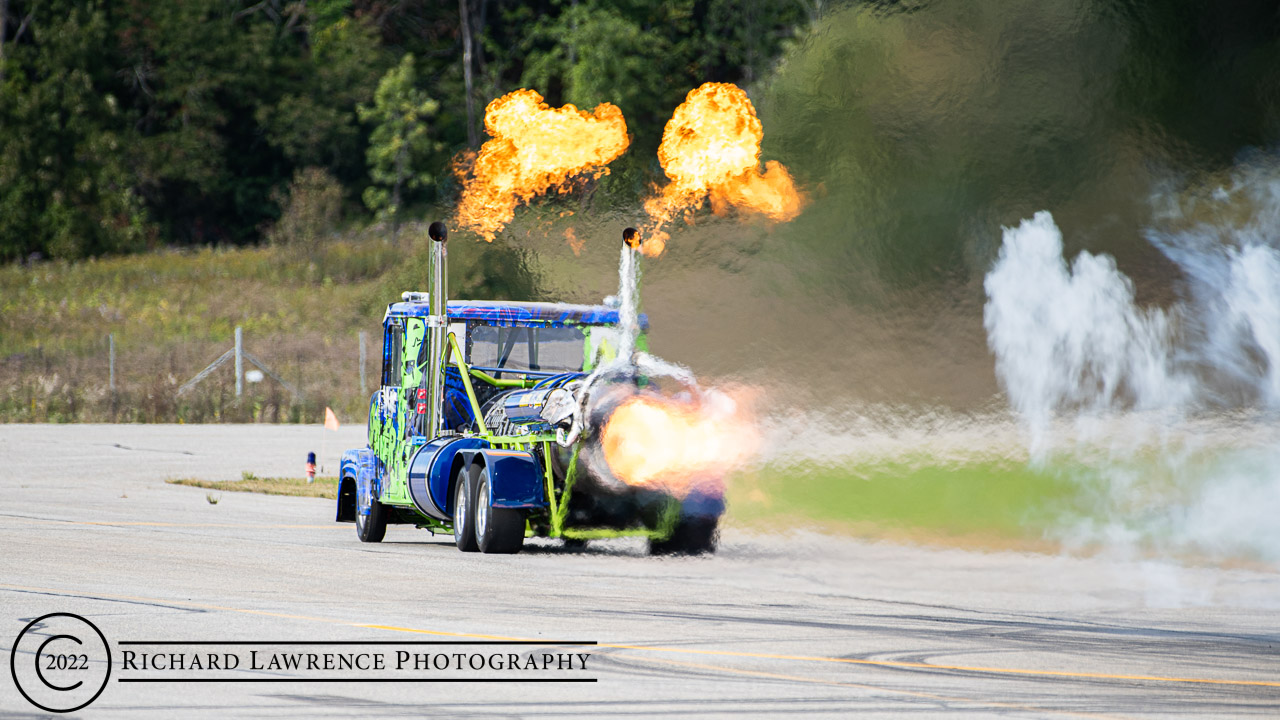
[796, 624]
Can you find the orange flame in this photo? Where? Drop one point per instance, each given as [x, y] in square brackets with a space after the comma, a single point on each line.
[575, 243]
[661, 444]
[711, 146]
[535, 148]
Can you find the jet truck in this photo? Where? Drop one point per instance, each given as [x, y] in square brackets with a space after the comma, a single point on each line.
[488, 424]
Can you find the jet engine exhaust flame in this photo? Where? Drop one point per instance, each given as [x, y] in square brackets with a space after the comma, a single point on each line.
[661, 443]
[534, 149]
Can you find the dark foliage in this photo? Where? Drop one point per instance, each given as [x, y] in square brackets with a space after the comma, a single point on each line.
[134, 124]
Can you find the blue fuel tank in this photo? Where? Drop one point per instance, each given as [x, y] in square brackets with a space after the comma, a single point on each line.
[430, 473]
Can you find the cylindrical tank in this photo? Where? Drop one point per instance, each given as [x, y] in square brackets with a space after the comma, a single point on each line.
[523, 407]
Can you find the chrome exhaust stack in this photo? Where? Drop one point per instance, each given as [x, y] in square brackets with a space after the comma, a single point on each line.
[437, 327]
[631, 238]
[567, 409]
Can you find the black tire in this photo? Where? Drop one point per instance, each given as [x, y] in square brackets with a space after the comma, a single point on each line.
[372, 527]
[498, 530]
[692, 536]
[464, 511]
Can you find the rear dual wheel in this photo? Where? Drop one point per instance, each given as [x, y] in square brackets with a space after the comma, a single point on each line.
[692, 536]
[498, 530]
[464, 511]
[477, 525]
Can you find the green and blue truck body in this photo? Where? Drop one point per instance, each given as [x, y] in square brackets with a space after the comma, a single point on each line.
[463, 436]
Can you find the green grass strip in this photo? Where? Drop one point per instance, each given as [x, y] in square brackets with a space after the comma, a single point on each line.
[323, 487]
[990, 499]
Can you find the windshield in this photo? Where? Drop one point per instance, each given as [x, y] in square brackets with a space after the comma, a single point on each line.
[549, 349]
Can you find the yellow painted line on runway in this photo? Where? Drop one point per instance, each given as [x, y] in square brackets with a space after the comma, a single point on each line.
[879, 688]
[959, 668]
[108, 523]
[686, 651]
[123, 523]
[880, 663]
[716, 668]
[476, 636]
[439, 632]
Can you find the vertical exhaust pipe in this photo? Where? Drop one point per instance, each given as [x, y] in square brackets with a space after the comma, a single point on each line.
[437, 329]
[629, 293]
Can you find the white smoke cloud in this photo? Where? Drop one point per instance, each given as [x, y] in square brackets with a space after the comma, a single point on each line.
[1074, 351]
[1071, 338]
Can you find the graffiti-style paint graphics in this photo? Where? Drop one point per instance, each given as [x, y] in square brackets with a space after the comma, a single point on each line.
[397, 405]
[415, 333]
[391, 414]
[382, 430]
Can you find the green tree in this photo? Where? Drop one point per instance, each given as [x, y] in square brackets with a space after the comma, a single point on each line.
[314, 121]
[599, 52]
[66, 186]
[746, 36]
[400, 144]
[233, 96]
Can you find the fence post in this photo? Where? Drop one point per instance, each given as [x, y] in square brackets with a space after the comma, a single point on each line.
[111, 361]
[239, 362]
[362, 343]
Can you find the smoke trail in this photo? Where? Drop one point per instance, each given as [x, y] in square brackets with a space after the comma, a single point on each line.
[1072, 346]
[1226, 246]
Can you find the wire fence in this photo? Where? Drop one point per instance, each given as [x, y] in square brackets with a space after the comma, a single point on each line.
[271, 378]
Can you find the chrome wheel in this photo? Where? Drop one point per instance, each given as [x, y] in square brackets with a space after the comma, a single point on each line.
[460, 512]
[482, 508]
[464, 510]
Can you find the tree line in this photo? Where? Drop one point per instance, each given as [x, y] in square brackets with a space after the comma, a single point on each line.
[129, 124]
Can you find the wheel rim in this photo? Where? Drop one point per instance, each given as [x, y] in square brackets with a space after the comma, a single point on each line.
[361, 517]
[460, 509]
[482, 508]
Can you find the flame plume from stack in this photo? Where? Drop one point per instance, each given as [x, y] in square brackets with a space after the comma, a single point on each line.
[534, 149]
[711, 148]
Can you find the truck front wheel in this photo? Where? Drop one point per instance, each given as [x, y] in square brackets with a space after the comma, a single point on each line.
[499, 530]
[464, 511]
[371, 518]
